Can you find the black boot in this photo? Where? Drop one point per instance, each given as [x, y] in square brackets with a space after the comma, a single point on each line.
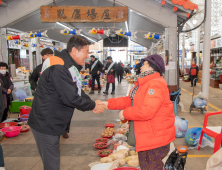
[99, 91]
[92, 92]
[105, 92]
[113, 92]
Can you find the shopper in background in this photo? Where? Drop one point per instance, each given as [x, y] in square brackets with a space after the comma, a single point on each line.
[46, 53]
[95, 68]
[57, 95]
[150, 111]
[2, 108]
[6, 88]
[193, 73]
[129, 69]
[119, 71]
[87, 65]
[110, 70]
[138, 66]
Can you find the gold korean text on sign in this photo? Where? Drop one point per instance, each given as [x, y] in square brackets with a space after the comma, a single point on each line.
[83, 14]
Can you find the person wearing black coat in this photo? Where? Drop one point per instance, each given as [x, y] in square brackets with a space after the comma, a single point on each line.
[95, 68]
[57, 95]
[110, 71]
[119, 71]
[2, 108]
[137, 69]
[46, 53]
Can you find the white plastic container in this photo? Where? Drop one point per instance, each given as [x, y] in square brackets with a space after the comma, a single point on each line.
[220, 86]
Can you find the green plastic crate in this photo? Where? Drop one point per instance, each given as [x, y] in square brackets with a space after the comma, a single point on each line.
[16, 104]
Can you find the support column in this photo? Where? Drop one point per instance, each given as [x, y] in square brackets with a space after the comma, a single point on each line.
[183, 54]
[30, 55]
[198, 43]
[3, 46]
[38, 55]
[206, 50]
[172, 46]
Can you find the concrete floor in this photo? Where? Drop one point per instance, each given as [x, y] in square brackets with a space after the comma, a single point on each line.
[20, 153]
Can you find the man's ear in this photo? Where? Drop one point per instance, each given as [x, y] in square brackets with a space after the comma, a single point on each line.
[74, 51]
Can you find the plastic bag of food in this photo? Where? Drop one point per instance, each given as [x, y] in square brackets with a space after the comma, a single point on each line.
[199, 103]
[120, 137]
[20, 94]
[121, 131]
[181, 126]
[112, 142]
[125, 125]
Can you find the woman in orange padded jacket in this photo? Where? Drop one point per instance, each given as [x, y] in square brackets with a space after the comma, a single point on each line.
[150, 112]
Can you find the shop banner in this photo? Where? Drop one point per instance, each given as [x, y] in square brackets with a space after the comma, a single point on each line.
[83, 14]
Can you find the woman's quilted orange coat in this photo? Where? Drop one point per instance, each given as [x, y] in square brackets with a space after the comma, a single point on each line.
[152, 112]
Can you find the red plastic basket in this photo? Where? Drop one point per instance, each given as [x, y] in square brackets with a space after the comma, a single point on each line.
[7, 124]
[110, 125]
[126, 168]
[101, 138]
[100, 147]
[106, 154]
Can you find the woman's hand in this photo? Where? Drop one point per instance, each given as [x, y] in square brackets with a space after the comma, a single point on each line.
[121, 115]
[105, 103]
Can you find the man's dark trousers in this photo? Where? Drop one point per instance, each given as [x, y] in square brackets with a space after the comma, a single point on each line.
[192, 79]
[113, 87]
[48, 147]
[97, 77]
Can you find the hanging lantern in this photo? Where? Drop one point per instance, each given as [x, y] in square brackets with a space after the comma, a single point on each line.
[175, 9]
[163, 2]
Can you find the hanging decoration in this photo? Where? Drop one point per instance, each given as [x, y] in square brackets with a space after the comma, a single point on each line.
[151, 36]
[42, 46]
[98, 31]
[16, 37]
[163, 2]
[122, 50]
[74, 32]
[17, 42]
[34, 45]
[59, 48]
[25, 45]
[175, 9]
[54, 48]
[90, 52]
[99, 52]
[39, 34]
[112, 50]
[129, 34]
[187, 4]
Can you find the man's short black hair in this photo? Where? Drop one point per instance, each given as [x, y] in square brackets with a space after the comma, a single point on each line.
[78, 42]
[92, 56]
[2, 64]
[46, 51]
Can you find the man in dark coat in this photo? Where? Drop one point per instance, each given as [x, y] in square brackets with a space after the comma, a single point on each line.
[46, 53]
[137, 69]
[6, 87]
[119, 71]
[95, 68]
[57, 95]
[110, 70]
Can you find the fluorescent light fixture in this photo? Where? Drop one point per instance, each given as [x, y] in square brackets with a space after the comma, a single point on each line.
[13, 33]
[71, 29]
[194, 21]
[63, 25]
[126, 26]
[88, 38]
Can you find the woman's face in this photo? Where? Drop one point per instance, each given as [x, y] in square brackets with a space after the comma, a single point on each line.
[145, 67]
